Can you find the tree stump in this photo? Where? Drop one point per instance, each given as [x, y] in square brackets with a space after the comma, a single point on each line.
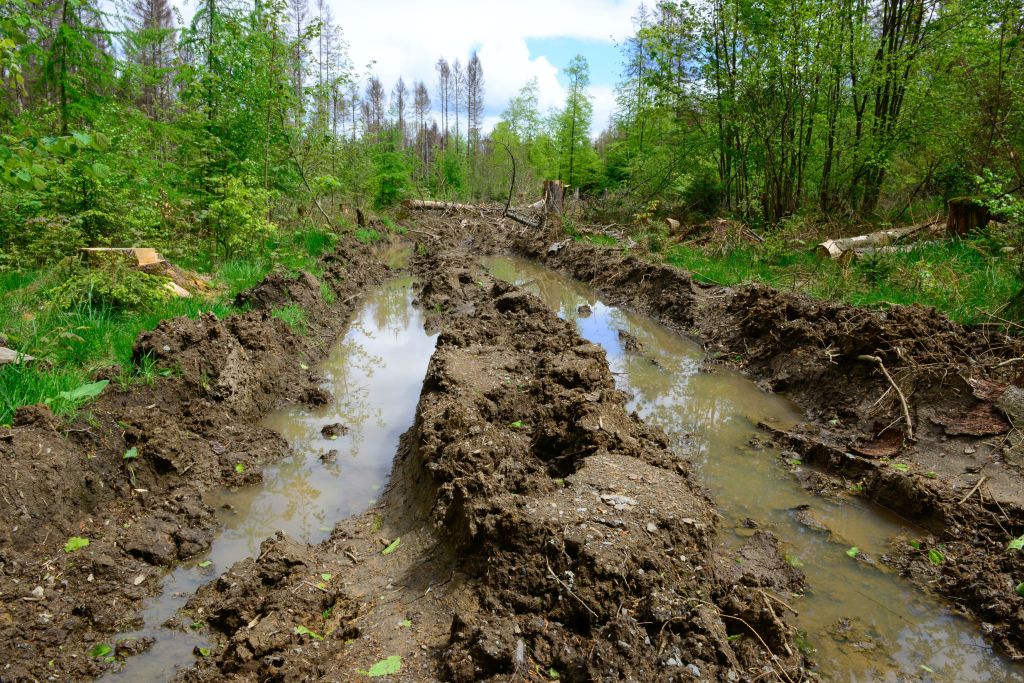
[966, 214]
[554, 196]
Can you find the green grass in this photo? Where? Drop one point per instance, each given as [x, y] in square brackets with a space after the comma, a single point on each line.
[965, 279]
[293, 316]
[367, 235]
[74, 343]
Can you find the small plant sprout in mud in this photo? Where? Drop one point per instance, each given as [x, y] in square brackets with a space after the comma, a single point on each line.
[102, 651]
[205, 563]
[385, 667]
[392, 547]
[75, 543]
[853, 552]
[1016, 544]
[239, 468]
[303, 631]
[405, 623]
[518, 424]
[1020, 589]
[936, 557]
[131, 454]
[204, 651]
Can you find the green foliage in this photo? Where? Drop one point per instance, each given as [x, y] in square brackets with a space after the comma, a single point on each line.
[392, 175]
[109, 283]
[385, 667]
[76, 543]
[293, 316]
[237, 217]
[392, 547]
[367, 235]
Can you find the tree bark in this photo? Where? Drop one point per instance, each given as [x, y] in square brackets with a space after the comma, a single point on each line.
[836, 248]
[966, 214]
[554, 196]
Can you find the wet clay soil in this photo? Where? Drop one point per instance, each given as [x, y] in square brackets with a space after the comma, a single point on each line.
[535, 525]
[541, 528]
[195, 432]
[862, 620]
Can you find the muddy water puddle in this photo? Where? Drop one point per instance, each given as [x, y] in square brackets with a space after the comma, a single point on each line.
[342, 455]
[863, 622]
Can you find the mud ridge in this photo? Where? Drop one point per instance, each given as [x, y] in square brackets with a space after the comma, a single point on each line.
[143, 512]
[541, 528]
[812, 351]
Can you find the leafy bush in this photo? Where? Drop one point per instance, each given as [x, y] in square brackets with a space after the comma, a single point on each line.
[238, 217]
[109, 283]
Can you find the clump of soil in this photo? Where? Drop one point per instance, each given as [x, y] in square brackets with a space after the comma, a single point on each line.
[128, 473]
[531, 525]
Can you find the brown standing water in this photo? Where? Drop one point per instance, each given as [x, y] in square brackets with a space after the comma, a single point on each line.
[862, 621]
[374, 375]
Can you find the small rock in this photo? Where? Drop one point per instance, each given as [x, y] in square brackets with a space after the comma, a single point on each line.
[584, 311]
[38, 591]
[618, 502]
[969, 450]
[652, 527]
[693, 669]
[329, 457]
[139, 579]
[672, 661]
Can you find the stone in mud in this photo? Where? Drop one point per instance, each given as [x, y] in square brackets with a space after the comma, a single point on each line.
[629, 342]
[330, 456]
[335, 429]
[1012, 404]
[584, 311]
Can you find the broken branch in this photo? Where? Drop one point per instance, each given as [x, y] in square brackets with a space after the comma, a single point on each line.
[899, 392]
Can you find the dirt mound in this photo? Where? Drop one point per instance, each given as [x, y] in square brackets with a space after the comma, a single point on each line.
[128, 474]
[541, 528]
[966, 490]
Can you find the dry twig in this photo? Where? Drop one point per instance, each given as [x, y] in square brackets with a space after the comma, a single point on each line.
[899, 392]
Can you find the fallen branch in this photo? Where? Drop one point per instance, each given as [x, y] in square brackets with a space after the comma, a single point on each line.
[569, 591]
[899, 392]
[429, 205]
[971, 492]
[836, 248]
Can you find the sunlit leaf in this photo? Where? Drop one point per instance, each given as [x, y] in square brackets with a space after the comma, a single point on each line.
[75, 543]
[392, 547]
[385, 667]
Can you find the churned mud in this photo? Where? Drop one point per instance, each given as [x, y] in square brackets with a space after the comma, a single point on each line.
[145, 512]
[532, 528]
[550, 508]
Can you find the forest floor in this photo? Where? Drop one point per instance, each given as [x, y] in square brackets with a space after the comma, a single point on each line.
[495, 578]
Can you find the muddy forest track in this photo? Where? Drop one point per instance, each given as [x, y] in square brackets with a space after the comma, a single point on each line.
[813, 352]
[193, 432]
[521, 454]
[960, 480]
[542, 528]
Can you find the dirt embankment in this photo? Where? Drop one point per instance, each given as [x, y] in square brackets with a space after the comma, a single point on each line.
[960, 477]
[128, 474]
[541, 530]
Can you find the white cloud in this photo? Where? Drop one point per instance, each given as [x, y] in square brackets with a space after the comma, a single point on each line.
[406, 37]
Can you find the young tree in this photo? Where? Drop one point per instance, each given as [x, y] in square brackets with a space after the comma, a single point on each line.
[574, 146]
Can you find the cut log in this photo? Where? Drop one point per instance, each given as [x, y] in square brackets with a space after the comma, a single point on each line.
[10, 356]
[834, 249]
[554, 196]
[182, 282]
[429, 205]
[966, 214]
[673, 226]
